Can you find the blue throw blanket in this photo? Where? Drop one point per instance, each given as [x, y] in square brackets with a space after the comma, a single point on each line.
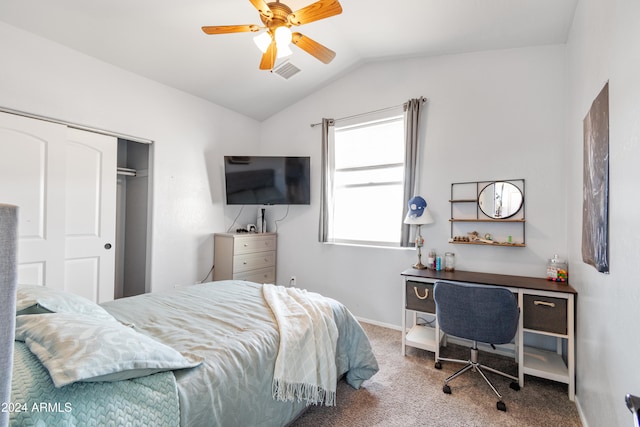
[35, 401]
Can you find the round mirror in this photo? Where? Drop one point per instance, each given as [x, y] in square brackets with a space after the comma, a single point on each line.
[500, 200]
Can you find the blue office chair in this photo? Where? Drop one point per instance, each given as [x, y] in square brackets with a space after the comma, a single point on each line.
[487, 314]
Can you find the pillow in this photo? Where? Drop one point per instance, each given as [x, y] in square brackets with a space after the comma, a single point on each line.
[32, 299]
[77, 347]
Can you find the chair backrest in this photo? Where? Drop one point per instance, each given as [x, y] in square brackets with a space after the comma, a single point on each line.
[486, 314]
[8, 256]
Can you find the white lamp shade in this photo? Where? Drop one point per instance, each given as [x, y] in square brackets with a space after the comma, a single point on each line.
[282, 36]
[425, 218]
[283, 51]
[263, 41]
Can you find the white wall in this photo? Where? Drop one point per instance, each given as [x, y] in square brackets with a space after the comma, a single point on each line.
[490, 115]
[603, 46]
[46, 79]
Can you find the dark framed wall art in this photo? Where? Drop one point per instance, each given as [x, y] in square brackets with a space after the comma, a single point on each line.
[595, 192]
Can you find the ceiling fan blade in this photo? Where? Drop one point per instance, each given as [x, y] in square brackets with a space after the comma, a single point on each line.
[315, 11]
[269, 57]
[227, 29]
[313, 48]
[262, 7]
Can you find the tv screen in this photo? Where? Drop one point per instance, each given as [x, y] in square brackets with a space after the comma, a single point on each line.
[267, 180]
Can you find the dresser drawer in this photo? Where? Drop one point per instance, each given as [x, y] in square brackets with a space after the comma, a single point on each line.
[545, 314]
[253, 261]
[252, 243]
[420, 297]
[264, 275]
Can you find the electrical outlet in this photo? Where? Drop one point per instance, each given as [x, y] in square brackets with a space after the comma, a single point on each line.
[292, 281]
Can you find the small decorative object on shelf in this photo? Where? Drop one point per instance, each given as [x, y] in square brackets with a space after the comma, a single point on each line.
[557, 269]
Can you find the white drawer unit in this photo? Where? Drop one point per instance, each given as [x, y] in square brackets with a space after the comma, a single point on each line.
[245, 256]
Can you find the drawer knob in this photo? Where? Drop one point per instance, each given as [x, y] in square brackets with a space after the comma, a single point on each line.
[426, 293]
[546, 303]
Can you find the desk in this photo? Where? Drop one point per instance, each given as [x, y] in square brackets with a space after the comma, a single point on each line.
[546, 308]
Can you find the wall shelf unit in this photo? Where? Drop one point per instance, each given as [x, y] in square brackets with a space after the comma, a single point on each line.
[498, 207]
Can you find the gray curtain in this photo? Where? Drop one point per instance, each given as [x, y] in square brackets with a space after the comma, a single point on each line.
[8, 249]
[326, 179]
[412, 111]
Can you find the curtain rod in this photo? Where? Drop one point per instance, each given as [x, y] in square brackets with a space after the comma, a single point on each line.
[367, 113]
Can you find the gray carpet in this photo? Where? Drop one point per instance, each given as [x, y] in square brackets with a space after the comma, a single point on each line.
[407, 391]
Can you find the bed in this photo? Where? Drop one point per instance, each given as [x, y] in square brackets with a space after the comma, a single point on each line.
[212, 350]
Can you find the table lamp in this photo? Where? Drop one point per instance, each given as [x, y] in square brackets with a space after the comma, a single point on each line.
[419, 215]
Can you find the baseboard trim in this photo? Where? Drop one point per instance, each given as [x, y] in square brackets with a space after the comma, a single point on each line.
[580, 413]
[376, 323]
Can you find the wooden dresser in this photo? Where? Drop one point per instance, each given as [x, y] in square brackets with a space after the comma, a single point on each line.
[245, 256]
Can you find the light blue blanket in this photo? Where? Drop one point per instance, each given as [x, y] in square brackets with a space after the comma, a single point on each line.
[35, 401]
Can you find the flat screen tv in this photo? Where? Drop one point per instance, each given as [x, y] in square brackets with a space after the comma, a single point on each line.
[267, 180]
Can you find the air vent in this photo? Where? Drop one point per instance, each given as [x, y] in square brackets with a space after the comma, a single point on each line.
[286, 70]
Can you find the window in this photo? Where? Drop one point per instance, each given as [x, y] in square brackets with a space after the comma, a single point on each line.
[368, 173]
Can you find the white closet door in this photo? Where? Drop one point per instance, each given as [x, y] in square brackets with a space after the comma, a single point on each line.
[90, 214]
[31, 158]
[63, 181]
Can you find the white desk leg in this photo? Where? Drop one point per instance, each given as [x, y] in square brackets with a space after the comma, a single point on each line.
[571, 348]
[437, 343]
[404, 321]
[520, 349]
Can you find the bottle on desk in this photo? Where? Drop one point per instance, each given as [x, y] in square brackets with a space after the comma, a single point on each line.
[557, 269]
[449, 261]
[431, 259]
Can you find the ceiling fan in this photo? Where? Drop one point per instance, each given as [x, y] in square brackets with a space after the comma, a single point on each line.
[278, 19]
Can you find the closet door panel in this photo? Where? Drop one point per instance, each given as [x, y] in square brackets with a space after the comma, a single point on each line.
[31, 163]
[90, 214]
[82, 277]
[82, 213]
[22, 177]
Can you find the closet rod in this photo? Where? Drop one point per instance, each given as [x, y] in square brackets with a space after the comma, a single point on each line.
[367, 113]
[75, 125]
[126, 172]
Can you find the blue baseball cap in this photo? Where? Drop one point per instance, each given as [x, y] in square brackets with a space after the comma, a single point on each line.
[417, 205]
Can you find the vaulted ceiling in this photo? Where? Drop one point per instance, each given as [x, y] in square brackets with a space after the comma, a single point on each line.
[163, 41]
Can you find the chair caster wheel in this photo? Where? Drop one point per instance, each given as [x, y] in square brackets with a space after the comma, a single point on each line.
[438, 365]
[501, 406]
[446, 389]
[515, 386]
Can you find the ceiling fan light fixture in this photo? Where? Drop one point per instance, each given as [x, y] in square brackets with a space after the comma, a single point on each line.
[278, 18]
[282, 36]
[263, 41]
[283, 51]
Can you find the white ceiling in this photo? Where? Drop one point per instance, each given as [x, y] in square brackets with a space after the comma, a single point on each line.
[163, 40]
